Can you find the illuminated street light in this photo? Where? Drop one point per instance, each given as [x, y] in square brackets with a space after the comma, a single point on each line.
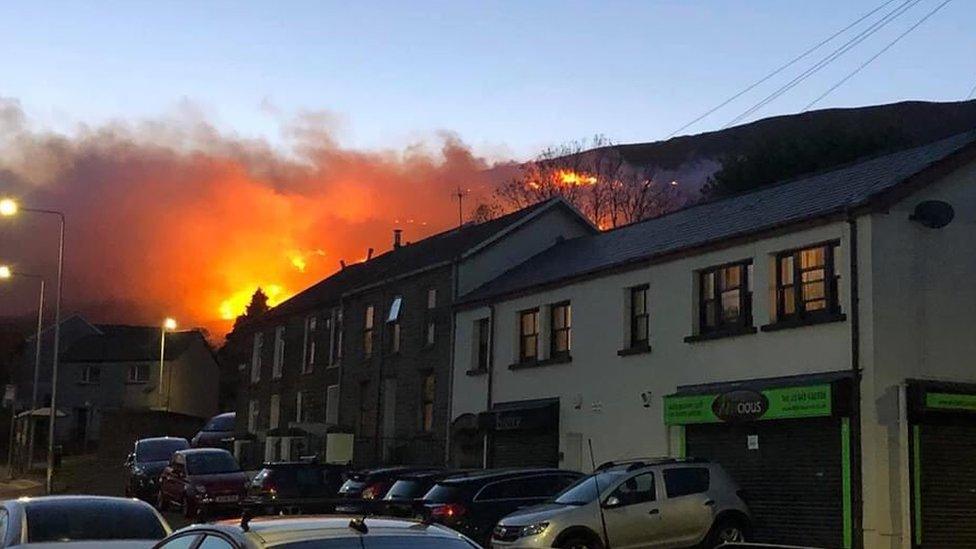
[5, 272]
[8, 207]
[168, 325]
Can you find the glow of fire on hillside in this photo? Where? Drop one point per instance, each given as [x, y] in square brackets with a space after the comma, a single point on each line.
[569, 177]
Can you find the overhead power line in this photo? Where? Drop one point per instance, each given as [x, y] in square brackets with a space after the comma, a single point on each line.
[877, 55]
[838, 52]
[781, 68]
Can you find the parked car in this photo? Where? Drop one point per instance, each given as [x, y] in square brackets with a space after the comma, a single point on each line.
[369, 485]
[147, 460]
[473, 504]
[660, 503]
[204, 482]
[300, 483]
[411, 487]
[81, 522]
[217, 433]
[317, 532]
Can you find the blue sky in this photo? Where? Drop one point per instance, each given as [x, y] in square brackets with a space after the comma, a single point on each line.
[508, 77]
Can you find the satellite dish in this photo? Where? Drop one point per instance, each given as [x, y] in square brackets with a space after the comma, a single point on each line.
[933, 214]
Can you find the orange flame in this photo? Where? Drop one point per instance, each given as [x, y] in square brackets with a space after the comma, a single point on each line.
[569, 177]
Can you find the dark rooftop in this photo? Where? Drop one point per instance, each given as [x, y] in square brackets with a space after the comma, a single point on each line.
[805, 198]
[119, 343]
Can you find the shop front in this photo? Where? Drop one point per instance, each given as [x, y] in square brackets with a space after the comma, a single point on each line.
[943, 463]
[523, 433]
[788, 444]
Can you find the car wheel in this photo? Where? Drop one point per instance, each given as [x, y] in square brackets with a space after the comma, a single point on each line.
[727, 530]
[579, 543]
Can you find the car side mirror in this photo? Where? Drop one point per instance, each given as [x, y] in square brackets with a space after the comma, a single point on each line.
[612, 502]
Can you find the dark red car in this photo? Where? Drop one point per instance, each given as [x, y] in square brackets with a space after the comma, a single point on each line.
[205, 482]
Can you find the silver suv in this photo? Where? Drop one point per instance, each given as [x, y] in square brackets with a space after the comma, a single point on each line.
[645, 503]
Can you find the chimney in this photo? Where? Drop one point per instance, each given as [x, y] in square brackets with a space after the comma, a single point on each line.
[369, 254]
[397, 233]
[342, 263]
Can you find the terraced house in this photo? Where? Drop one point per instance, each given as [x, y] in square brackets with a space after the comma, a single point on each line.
[814, 336]
[367, 351]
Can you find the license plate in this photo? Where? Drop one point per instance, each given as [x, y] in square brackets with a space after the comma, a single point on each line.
[227, 499]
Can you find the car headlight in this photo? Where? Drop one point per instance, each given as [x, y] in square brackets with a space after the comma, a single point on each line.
[533, 529]
[200, 489]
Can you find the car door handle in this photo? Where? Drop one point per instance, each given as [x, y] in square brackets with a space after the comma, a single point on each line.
[709, 503]
[654, 512]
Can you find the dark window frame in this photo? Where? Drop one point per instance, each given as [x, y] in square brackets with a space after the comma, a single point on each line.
[427, 399]
[744, 288]
[369, 327]
[643, 341]
[830, 282]
[524, 336]
[567, 328]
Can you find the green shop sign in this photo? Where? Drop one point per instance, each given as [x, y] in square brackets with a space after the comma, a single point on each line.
[950, 401]
[746, 405]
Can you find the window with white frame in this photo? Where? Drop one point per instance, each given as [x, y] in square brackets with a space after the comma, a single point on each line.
[278, 363]
[274, 413]
[91, 375]
[256, 351]
[332, 404]
[308, 355]
[138, 373]
[253, 410]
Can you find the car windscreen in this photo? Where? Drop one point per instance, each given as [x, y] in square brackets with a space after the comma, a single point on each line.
[444, 493]
[220, 423]
[382, 541]
[210, 463]
[407, 489]
[352, 486]
[159, 450]
[584, 490]
[66, 520]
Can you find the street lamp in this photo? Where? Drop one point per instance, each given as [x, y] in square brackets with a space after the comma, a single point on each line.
[5, 273]
[168, 324]
[8, 208]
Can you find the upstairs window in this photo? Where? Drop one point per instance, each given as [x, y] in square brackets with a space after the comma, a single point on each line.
[430, 333]
[274, 412]
[278, 364]
[337, 329]
[725, 297]
[368, 331]
[393, 323]
[806, 283]
[529, 335]
[91, 375]
[561, 322]
[300, 414]
[432, 298]
[482, 332]
[256, 351]
[308, 356]
[252, 416]
[639, 317]
[138, 373]
[428, 392]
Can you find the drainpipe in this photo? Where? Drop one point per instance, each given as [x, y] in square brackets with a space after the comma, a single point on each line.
[491, 377]
[856, 455]
[450, 370]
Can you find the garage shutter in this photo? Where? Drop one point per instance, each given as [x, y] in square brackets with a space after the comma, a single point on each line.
[947, 485]
[536, 448]
[792, 482]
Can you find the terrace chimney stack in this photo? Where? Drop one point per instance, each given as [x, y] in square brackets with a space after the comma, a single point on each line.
[369, 254]
[397, 233]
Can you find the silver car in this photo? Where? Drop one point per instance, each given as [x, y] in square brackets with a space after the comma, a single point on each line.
[644, 503]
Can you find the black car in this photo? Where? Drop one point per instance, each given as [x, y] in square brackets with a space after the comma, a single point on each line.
[148, 459]
[217, 433]
[411, 487]
[299, 482]
[371, 485]
[473, 504]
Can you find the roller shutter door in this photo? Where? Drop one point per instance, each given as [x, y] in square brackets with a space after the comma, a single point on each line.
[793, 482]
[947, 485]
[536, 448]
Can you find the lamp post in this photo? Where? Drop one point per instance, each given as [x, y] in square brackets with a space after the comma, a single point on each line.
[168, 324]
[5, 273]
[9, 208]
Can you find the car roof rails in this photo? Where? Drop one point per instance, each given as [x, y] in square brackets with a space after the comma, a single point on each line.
[638, 463]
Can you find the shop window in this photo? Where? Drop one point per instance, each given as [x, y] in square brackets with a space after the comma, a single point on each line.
[725, 297]
[806, 283]
[636, 489]
[686, 481]
[428, 392]
[639, 317]
[368, 331]
[529, 335]
[561, 322]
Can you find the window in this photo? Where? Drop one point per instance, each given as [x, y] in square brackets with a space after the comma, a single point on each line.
[368, 332]
[529, 335]
[725, 297]
[91, 374]
[299, 407]
[561, 326]
[277, 365]
[686, 481]
[332, 404]
[636, 489]
[427, 403]
[214, 542]
[256, 357]
[394, 345]
[252, 416]
[541, 486]
[432, 298]
[308, 355]
[639, 318]
[274, 414]
[181, 542]
[395, 307]
[335, 349]
[806, 283]
[430, 333]
[138, 373]
[483, 333]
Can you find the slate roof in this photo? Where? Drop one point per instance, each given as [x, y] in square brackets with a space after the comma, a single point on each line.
[805, 198]
[433, 250]
[119, 343]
